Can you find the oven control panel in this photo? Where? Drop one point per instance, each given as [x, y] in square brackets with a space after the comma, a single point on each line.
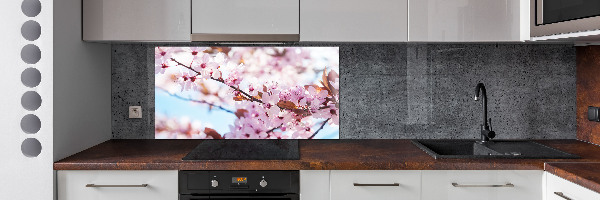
[224, 182]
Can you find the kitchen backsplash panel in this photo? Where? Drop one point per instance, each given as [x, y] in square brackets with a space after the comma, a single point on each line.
[408, 90]
[258, 92]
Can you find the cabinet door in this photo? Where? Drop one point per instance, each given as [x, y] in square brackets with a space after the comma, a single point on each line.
[482, 184]
[468, 20]
[354, 20]
[379, 185]
[136, 20]
[117, 185]
[314, 185]
[221, 18]
[561, 189]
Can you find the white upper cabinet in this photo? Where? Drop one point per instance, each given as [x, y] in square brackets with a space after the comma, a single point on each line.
[307, 20]
[468, 20]
[354, 20]
[243, 20]
[136, 20]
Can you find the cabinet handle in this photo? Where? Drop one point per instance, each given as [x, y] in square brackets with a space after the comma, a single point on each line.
[505, 185]
[560, 194]
[94, 185]
[362, 184]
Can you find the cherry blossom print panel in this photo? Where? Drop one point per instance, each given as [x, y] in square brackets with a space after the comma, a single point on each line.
[246, 92]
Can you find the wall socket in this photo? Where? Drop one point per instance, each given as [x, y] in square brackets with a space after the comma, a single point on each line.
[135, 112]
[593, 114]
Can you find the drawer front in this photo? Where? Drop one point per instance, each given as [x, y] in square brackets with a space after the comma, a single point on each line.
[566, 190]
[380, 185]
[161, 185]
[482, 184]
[314, 185]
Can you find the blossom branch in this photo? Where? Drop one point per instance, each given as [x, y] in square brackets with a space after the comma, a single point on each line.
[320, 128]
[198, 101]
[273, 129]
[248, 96]
[219, 80]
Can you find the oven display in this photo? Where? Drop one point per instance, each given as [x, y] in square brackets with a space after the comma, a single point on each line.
[239, 180]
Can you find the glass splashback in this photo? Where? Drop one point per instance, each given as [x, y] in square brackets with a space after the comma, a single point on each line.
[246, 92]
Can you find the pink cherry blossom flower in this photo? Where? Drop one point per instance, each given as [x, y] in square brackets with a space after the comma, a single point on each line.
[234, 77]
[196, 51]
[201, 62]
[216, 74]
[252, 90]
[161, 67]
[162, 54]
[220, 58]
[188, 82]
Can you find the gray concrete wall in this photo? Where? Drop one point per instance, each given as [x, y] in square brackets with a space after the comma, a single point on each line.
[408, 90]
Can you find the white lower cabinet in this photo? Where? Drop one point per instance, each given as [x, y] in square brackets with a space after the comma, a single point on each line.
[482, 184]
[561, 189]
[375, 185]
[314, 185]
[340, 185]
[117, 185]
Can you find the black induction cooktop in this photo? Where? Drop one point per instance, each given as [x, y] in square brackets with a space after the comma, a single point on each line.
[245, 150]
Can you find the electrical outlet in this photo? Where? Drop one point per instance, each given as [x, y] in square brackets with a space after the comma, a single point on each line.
[135, 112]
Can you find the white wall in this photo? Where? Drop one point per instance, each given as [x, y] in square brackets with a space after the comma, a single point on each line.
[75, 92]
[82, 84]
[24, 177]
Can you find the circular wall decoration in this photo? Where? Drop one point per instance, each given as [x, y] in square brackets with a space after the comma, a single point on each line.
[31, 54]
[31, 30]
[31, 77]
[31, 147]
[30, 124]
[31, 100]
[31, 8]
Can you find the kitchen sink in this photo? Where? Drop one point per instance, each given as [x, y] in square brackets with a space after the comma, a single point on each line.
[440, 149]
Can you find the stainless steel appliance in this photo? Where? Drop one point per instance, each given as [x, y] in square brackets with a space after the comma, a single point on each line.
[556, 17]
[233, 185]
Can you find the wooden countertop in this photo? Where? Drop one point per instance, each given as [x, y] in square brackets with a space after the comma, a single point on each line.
[314, 155]
[581, 173]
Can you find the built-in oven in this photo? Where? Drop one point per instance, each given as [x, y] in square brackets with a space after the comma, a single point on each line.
[554, 17]
[234, 185]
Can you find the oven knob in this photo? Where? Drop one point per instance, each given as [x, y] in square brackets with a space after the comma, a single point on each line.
[214, 183]
[263, 183]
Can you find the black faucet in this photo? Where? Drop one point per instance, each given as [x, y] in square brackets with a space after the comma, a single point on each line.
[486, 129]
